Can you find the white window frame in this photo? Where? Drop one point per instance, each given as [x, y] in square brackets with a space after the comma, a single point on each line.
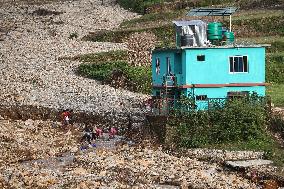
[243, 64]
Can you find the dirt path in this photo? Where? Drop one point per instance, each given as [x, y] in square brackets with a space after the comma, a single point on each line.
[35, 36]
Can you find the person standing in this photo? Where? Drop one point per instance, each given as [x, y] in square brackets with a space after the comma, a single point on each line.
[65, 117]
[99, 132]
[112, 132]
[89, 135]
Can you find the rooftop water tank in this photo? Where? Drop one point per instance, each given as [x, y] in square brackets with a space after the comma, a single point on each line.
[229, 37]
[214, 31]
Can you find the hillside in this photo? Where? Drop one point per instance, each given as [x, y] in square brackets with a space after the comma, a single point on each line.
[94, 58]
[258, 22]
[35, 37]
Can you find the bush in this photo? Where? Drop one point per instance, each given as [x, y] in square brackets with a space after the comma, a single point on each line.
[138, 78]
[234, 121]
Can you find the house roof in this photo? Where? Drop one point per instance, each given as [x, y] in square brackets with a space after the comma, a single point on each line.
[211, 47]
[203, 11]
[188, 23]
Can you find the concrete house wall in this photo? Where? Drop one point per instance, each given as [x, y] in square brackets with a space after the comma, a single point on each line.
[211, 77]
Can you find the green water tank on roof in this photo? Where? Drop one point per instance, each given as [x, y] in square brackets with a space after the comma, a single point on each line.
[214, 31]
[229, 37]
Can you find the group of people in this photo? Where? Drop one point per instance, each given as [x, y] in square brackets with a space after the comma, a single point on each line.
[89, 134]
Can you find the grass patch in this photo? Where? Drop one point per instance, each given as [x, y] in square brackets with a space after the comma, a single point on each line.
[102, 66]
[119, 55]
[143, 6]
[138, 5]
[165, 34]
[256, 14]
[153, 17]
[138, 79]
[273, 25]
[276, 91]
[275, 68]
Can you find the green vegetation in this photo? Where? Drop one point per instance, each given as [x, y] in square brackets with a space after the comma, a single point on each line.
[165, 35]
[275, 68]
[145, 6]
[275, 73]
[138, 5]
[238, 124]
[276, 91]
[153, 17]
[273, 25]
[230, 121]
[105, 66]
[103, 57]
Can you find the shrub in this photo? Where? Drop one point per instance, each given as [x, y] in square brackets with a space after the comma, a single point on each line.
[236, 120]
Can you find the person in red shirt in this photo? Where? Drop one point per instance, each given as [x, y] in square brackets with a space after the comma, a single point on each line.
[112, 132]
[66, 117]
[99, 132]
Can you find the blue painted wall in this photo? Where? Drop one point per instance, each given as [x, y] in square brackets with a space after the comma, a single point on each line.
[215, 68]
[162, 55]
[221, 93]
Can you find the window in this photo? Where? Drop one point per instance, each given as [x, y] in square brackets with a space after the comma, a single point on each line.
[200, 57]
[237, 94]
[238, 64]
[158, 63]
[201, 97]
[158, 93]
[168, 65]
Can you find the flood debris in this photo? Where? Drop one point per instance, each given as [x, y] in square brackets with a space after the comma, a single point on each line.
[35, 154]
[248, 163]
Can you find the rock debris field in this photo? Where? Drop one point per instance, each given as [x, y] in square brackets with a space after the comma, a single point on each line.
[39, 154]
[34, 38]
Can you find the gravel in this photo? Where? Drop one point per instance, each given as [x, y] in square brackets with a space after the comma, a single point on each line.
[34, 154]
[31, 70]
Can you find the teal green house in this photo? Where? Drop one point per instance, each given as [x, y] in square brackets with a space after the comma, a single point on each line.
[207, 67]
